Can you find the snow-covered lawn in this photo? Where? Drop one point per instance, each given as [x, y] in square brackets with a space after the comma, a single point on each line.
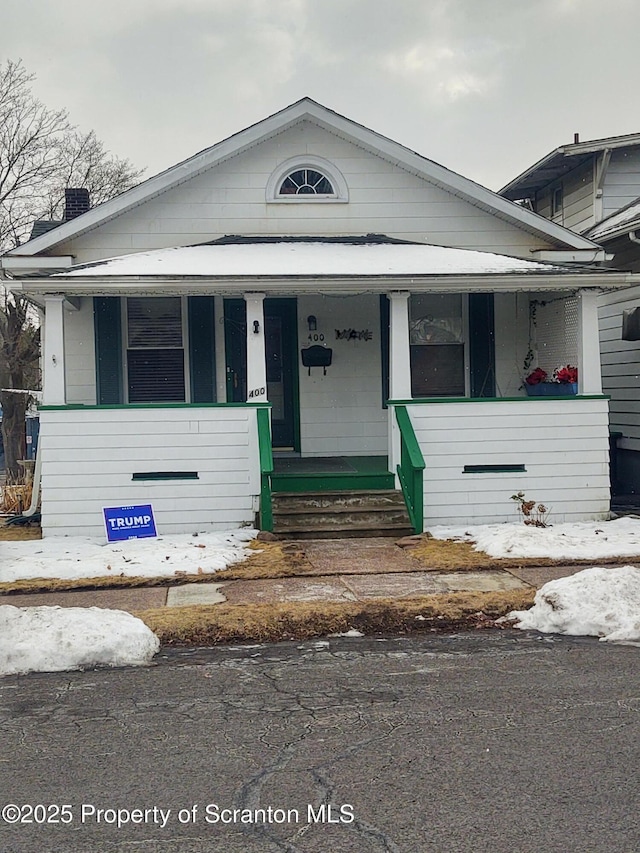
[80, 557]
[601, 602]
[598, 602]
[49, 639]
[587, 540]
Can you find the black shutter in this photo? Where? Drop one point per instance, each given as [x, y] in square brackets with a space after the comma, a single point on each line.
[108, 336]
[482, 345]
[202, 349]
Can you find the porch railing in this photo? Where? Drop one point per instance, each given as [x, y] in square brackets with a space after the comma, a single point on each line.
[410, 469]
[266, 468]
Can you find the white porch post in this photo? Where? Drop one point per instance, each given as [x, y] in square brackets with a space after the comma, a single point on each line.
[256, 353]
[399, 368]
[53, 384]
[399, 353]
[589, 371]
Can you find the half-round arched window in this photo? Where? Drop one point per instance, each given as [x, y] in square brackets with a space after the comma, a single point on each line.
[306, 179]
[306, 182]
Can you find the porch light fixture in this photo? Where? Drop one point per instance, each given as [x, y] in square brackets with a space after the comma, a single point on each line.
[312, 323]
[256, 327]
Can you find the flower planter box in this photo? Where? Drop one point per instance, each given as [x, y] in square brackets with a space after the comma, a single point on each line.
[552, 389]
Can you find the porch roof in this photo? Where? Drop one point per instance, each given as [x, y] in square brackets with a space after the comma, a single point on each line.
[293, 264]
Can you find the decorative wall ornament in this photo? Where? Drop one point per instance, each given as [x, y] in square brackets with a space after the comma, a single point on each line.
[353, 335]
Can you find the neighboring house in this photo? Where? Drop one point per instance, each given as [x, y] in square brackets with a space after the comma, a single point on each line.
[594, 188]
[380, 307]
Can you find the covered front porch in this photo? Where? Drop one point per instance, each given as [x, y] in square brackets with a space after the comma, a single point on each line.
[208, 394]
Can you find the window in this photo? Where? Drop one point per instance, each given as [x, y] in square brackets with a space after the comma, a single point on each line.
[436, 337]
[306, 182]
[305, 179]
[155, 349]
[556, 202]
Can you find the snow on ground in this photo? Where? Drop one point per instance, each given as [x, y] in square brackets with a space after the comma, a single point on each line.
[599, 602]
[80, 557]
[586, 540]
[51, 639]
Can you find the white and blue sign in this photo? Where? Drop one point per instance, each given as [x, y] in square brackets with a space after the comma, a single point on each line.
[129, 522]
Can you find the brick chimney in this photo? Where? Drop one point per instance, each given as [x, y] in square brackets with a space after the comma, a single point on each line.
[76, 202]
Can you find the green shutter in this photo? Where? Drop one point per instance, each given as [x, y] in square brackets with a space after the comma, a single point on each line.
[482, 345]
[108, 335]
[202, 351]
[384, 347]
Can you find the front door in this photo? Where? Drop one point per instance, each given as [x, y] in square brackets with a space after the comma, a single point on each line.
[281, 344]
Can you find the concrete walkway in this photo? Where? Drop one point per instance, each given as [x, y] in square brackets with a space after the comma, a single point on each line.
[341, 570]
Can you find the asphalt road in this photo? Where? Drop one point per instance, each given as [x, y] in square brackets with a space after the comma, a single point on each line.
[493, 741]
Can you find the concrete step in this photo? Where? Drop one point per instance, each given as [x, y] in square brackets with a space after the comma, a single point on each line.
[340, 514]
[290, 502]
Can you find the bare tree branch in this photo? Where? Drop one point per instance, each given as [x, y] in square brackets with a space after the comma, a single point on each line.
[41, 154]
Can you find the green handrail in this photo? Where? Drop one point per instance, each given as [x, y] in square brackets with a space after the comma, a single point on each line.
[410, 469]
[266, 468]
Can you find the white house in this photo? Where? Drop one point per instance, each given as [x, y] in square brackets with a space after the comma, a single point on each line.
[312, 296]
[593, 187]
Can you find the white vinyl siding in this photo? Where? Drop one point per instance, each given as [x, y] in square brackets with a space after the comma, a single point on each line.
[621, 367]
[90, 456]
[622, 181]
[230, 199]
[80, 356]
[563, 445]
[578, 209]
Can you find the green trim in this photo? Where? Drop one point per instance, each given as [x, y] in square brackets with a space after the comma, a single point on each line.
[82, 408]
[166, 475]
[410, 470]
[331, 482]
[421, 400]
[266, 468]
[493, 469]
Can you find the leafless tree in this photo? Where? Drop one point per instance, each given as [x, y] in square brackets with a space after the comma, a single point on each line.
[41, 154]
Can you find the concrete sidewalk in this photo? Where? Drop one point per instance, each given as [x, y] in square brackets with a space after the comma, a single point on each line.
[341, 570]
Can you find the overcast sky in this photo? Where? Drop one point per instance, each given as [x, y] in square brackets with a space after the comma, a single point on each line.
[485, 87]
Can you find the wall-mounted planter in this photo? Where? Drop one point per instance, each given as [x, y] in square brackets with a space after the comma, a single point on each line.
[552, 389]
[317, 356]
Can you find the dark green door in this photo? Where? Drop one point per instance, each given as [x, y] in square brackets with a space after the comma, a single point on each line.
[281, 344]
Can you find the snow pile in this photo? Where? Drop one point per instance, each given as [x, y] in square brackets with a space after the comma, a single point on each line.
[600, 602]
[582, 540]
[51, 639]
[80, 557]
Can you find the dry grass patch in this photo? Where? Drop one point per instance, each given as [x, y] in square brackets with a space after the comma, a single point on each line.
[225, 623]
[19, 532]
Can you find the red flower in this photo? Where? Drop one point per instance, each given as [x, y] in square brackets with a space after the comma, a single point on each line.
[568, 373]
[538, 375]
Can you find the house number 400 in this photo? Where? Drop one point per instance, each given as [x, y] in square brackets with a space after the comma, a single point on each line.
[257, 392]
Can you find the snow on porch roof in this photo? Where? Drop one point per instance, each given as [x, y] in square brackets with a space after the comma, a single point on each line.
[308, 259]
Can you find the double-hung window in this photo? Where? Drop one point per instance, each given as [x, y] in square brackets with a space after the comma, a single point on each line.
[436, 335]
[155, 350]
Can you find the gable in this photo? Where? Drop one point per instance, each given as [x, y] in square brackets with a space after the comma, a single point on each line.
[222, 190]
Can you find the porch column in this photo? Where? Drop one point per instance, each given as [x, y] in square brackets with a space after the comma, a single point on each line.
[399, 353]
[589, 371]
[53, 384]
[256, 353]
